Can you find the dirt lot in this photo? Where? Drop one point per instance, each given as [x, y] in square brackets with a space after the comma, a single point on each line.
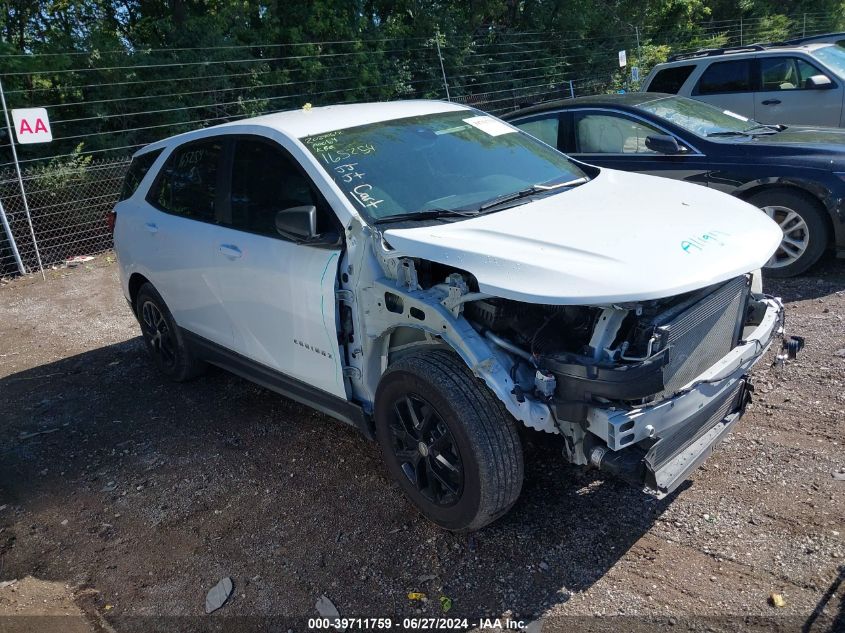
[139, 495]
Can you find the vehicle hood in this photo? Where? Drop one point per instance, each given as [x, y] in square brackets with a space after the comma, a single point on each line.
[620, 237]
[824, 139]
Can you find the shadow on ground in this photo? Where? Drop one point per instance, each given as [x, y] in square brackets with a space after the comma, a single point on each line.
[151, 492]
[824, 278]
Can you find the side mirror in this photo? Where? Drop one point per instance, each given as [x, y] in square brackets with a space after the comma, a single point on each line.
[297, 223]
[663, 143]
[818, 82]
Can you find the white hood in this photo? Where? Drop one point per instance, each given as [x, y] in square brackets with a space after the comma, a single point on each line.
[620, 237]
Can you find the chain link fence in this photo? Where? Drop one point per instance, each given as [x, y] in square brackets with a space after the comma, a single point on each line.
[68, 206]
[104, 105]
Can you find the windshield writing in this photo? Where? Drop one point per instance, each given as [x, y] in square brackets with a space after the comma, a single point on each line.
[452, 161]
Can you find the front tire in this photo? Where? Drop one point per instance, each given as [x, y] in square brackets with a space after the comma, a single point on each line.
[805, 232]
[163, 338]
[448, 441]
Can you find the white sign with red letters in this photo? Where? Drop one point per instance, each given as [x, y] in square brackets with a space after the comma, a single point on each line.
[32, 125]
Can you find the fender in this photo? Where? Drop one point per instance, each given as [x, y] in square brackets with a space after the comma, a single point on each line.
[815, 189]
[821, 192]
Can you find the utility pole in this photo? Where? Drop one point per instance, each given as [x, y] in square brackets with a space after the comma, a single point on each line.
[442, 67]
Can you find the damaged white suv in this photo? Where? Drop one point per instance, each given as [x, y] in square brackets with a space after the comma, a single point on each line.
[437, 278]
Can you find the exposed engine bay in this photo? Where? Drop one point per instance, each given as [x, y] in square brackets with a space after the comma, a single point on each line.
[642, 389]
[628, 354]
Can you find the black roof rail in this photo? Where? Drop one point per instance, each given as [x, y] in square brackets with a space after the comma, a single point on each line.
[797, 41]
[712, 52]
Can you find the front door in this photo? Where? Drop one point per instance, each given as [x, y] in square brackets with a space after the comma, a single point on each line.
[280, 296]
[786, 97]
[614, 139]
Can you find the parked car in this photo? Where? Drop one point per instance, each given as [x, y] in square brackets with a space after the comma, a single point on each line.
[437, 278]
[797, 85]
[795, 174]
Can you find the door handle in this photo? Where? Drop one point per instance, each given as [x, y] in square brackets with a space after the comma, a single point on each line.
[151, 227]
[771, 102]
[231, 251]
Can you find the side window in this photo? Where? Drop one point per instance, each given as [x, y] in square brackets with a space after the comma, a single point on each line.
[545, 129]
[264, 181]
[806, 70]
[670, 80]
[611, 134]
[721, 77]
[785, 73]
[138, 168]
[187, 185]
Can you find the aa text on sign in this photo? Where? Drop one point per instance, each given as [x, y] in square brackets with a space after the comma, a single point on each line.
[32, 125]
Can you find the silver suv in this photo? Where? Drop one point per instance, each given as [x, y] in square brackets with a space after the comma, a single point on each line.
[796, 85]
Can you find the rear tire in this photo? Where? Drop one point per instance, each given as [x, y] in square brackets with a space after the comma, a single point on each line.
[448, 441]
[805, 230]
[163, 338]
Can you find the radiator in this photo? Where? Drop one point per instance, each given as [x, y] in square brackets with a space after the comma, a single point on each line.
[703, 333]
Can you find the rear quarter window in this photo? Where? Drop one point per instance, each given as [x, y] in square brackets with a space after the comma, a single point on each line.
[138, 168]
[670, 80]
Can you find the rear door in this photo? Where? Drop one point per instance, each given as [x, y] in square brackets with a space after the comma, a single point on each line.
[547, 127]
[177, 234]
[729, 85]
[783, 95]
[280, 296]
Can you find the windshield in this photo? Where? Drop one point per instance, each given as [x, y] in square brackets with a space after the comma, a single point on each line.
[833, 57]
[446, 161]
[697, 117]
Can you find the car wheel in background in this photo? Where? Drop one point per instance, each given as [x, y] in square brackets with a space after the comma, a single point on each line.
[448, 440]
[805, 233]
[163, 338]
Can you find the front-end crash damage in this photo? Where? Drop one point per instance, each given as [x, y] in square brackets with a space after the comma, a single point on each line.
[644, 390]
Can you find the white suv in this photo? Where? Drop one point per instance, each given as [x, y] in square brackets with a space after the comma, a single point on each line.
[774, 84]
[438, 278]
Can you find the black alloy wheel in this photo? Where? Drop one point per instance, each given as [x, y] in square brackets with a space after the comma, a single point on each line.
[426, 450]
[447, 440]
[158, 335]
[163, 339]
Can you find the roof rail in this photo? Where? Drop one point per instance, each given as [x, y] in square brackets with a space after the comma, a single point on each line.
[712, 52]
[797, 41]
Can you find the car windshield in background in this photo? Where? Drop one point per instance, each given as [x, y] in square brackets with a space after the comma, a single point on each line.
[701, 118]
[439, 164]
[833, 57]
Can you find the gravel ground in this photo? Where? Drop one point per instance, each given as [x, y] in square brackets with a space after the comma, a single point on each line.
[140, 495]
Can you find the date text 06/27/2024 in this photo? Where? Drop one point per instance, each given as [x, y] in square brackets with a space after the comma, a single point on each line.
[420, 624]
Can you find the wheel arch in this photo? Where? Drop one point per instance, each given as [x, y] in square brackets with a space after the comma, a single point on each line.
[136, 280]
[404, 339]
[815, 194]
[397, 342]
[485, 362]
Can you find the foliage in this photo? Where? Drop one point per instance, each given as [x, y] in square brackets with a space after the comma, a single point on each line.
[117, 74]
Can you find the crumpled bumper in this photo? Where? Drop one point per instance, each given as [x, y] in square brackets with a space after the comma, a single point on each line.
[659, 445]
